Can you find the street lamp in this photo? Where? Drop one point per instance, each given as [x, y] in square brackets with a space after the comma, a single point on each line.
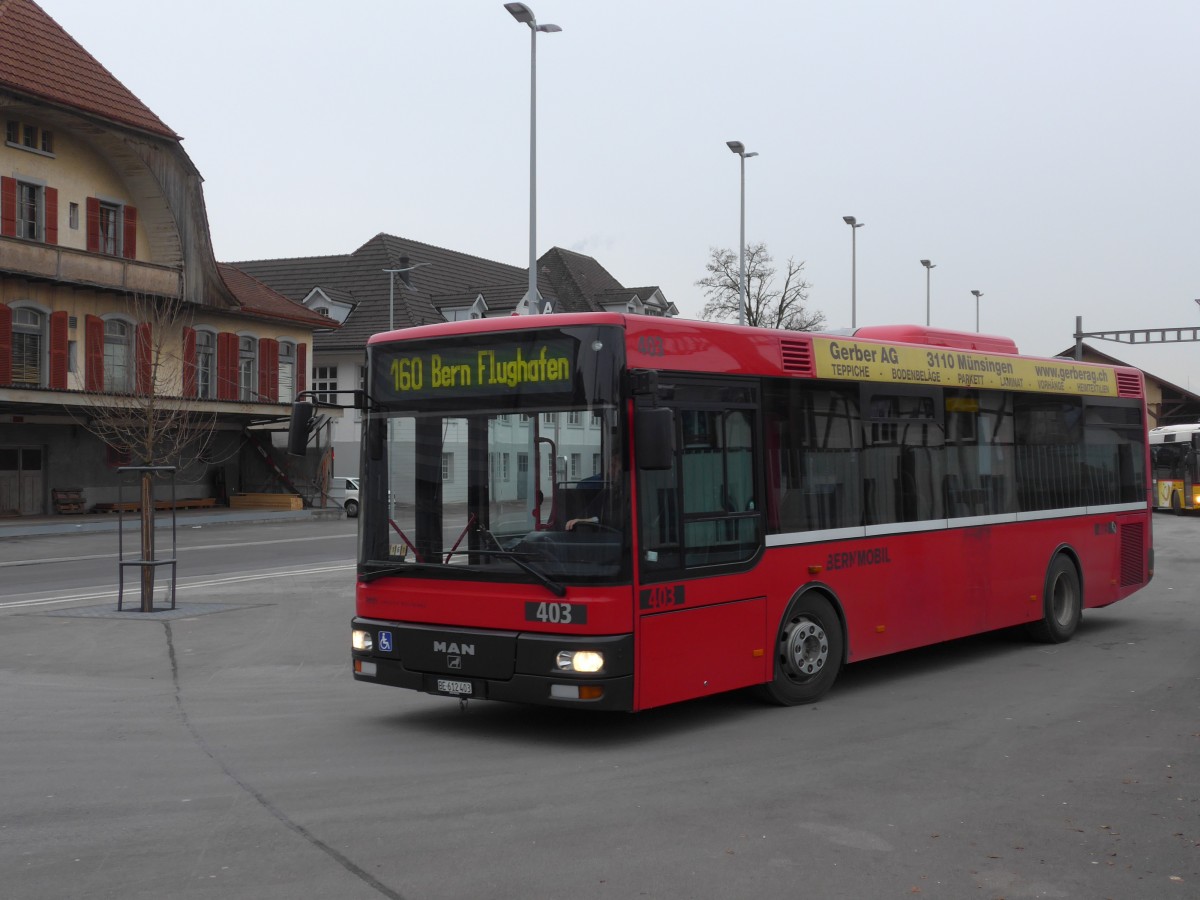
[928, 267]
[854, 226]
[740, 149]
[403, 271]
[977, 294]
[523, 13]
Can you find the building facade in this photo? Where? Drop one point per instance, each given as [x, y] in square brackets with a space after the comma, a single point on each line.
[111, 300]
[392, 282]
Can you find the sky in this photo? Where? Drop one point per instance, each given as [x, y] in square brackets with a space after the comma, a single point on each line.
[1043, 152]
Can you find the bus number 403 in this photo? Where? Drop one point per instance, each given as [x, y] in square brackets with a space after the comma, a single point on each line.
[556, 613]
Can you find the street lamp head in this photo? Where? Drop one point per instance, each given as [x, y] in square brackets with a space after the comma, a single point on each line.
[736, 146]
[521, 13]
[927, 264]
[977, 294]
[849, 220]
[549, 28]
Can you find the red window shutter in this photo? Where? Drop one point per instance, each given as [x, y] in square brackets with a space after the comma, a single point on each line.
[93, 339]
[227, 360]
[5, 345]
[129, 239]
[8, 206]
[93, 225]
[268, 370]
[301, 367]
[273, 387]
[59, 346]
[189, 362]
[144, 351]
[51, 215]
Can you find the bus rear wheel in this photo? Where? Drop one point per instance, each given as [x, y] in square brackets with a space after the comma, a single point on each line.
[1062, 603]
[808, 652]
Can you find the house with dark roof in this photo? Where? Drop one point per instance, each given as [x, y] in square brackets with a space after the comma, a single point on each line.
[102, 228]
[391, 283]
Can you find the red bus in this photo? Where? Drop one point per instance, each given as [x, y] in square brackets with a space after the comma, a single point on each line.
[620, 512]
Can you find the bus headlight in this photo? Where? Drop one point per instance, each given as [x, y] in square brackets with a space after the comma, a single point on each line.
[580, 660]
[361, 640]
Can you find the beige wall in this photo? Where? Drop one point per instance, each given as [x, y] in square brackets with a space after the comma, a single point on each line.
[78, 172]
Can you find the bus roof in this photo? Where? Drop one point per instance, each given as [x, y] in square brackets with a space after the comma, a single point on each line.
[898, 354]
[1163, 430]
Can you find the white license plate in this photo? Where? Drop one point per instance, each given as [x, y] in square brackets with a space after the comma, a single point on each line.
[446, 686]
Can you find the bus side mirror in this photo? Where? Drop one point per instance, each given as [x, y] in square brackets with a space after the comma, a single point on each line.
[298, 428]
[654, 434]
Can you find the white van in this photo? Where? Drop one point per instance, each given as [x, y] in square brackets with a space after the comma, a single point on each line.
[343, 490]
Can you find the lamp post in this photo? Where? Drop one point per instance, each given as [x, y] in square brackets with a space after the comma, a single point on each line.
[928, 267]
[403, 271]
[854, 226]
[740, 149]
[977, 294]
[523, 13]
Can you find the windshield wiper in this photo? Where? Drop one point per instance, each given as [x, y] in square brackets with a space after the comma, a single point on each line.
[547, 582]
[389, 570]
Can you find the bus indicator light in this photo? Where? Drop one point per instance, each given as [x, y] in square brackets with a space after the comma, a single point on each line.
[576, 691]
[815, 570]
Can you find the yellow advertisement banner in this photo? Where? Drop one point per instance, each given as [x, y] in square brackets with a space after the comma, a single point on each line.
[851, 360]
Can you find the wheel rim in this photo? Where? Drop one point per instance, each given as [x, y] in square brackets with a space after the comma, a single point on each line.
[805, 649]
[1062, 600]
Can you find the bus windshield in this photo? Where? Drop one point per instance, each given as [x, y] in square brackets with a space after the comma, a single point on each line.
[497, 457]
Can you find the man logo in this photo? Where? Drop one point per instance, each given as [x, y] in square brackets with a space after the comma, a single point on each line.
[452, 647]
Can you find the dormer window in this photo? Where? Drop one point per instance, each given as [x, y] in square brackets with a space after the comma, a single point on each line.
[27, 136]
[28, 209]
[110, 238]
[111, 228]
[323, 311]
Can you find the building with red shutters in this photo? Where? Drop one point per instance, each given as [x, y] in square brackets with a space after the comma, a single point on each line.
[102, 226]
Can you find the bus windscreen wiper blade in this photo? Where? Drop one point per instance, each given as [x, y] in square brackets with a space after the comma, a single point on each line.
[550, 584]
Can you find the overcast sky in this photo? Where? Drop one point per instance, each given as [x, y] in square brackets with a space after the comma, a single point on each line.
[1041, 151]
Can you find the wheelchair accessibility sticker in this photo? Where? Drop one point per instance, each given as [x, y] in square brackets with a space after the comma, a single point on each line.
[385, 641]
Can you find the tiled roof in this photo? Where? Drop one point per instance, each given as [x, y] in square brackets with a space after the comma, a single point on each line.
[441, 274]
[443, 279]
[38, 58]
[257, 299]
[577, 279]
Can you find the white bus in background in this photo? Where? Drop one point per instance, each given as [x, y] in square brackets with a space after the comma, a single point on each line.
[1174, 451]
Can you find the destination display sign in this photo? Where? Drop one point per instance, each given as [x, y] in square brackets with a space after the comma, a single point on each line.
[944, 366]
[546, 366]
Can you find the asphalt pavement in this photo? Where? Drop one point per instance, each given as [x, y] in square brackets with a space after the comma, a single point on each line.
[223, 750]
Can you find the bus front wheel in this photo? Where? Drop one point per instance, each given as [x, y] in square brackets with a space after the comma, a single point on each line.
[808, 652]
[1062, 603]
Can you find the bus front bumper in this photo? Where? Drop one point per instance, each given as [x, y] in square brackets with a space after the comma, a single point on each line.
[473, 664]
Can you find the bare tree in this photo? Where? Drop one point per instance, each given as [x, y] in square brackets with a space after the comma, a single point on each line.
[145, 416]
[767, 306]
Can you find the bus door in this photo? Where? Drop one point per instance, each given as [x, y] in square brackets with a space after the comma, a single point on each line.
[701, 616]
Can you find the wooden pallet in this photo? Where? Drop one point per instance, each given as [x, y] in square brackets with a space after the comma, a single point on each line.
[68, 501]
[265, 501]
